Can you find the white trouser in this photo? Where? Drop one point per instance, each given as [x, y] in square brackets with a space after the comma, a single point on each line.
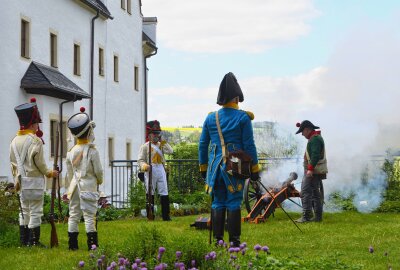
[33, 212]
[159, 179]
[75, 213]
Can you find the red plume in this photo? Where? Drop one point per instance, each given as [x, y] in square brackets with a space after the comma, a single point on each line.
[82, 109]
[298, 125]
[33, 100]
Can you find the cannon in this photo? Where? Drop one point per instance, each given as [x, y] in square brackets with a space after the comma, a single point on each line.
[261, 201]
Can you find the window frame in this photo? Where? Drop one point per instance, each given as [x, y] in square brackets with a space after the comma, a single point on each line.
[101, 62]
[116, 68]
[77, 59]
[136, 78]
[53, 49]
[25, 38]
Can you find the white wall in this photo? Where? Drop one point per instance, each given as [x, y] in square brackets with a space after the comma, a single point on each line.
[118, 108]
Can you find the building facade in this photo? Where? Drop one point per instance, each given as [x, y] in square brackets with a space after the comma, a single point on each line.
[89, 53]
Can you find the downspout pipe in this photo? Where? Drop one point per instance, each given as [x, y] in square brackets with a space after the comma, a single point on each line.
[61, 130]
[145, 86]
[92, 63]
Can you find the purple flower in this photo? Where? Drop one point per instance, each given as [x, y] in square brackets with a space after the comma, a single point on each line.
[178, 254]
[221, 242]
[113, 265]
[233, 257]
[213, 255]
[244, 251]
[122, 267]
[81, 264]
[121, 261]
[138, 261]
[231, 250]
[109, 268]
[257, 247]
[265, 248]
[158, 267]
[193, 263]
[371, 249]
[134, 266]
[94, 247]
[161, 250]
[207, 257]
[244, 244]
[164, 266]
[103, 257]
[99, 262]
[143, 264]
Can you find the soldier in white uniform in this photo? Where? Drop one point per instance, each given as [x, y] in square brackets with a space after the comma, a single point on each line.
[29, 168]
[159, 147]
[85, 174]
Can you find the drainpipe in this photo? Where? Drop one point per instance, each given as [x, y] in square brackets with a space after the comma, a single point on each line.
[145, 87]
[92, 63]
[61, 130]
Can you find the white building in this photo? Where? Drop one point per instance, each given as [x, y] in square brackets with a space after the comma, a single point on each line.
[45, 52]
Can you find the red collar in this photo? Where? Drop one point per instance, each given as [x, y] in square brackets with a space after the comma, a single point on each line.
[314, 133]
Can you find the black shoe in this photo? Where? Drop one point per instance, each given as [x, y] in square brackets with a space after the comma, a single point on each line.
[24, 235]
[92, 240]
[34, 237]
[73, 240]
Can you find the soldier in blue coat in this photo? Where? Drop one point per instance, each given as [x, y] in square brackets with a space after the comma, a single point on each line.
[237, 131]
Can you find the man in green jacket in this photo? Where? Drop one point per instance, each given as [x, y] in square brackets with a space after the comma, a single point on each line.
[315, 170]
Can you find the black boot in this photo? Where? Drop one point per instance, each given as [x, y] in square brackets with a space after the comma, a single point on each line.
[218, 223]
[234, 227]
[306, 217]
[73, 240]
[92, 240]
[24, 235]
[34, 237]
[164, 200]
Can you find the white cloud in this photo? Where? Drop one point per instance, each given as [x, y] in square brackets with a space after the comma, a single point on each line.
[229, 25]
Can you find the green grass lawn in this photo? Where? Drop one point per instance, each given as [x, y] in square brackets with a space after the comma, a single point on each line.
[346, 236]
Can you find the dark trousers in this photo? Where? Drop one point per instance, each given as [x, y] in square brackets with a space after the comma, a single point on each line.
[311, 194]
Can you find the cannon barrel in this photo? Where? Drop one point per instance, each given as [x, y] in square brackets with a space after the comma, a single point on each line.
[292, 176]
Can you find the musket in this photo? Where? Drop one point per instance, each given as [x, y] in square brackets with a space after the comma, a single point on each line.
[150, 198]
[54, 237]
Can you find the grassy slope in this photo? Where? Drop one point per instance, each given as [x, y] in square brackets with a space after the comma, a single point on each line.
[348, 234]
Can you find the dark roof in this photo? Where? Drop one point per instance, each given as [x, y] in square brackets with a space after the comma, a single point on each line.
[146, 38]
[98, 5]
[48, 81]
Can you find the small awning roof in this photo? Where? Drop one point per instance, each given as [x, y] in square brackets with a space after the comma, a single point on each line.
[40, 79]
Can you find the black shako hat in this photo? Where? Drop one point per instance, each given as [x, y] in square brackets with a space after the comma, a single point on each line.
[153, 127]
[28, 114]
[305, 124]
[229, 89]
[79, 123]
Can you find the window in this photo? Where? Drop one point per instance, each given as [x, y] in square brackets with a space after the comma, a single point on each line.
[77, 59]
[136, 79]
[129, 6]
[53, 50]
[25, 39]
[101, 62]
[53, 138]
[116, 68]
[128, 151]
[110, 149]
[123, 4]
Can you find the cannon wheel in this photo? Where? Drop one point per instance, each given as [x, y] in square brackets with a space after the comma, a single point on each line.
[251, 194]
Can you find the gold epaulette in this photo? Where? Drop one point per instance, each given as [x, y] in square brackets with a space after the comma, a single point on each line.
[250, 114]
[210, 112]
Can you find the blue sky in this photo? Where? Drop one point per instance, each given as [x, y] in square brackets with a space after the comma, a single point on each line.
[297, 47]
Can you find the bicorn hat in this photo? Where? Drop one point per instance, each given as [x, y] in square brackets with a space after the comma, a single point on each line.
[229, 89]
[305, 124]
